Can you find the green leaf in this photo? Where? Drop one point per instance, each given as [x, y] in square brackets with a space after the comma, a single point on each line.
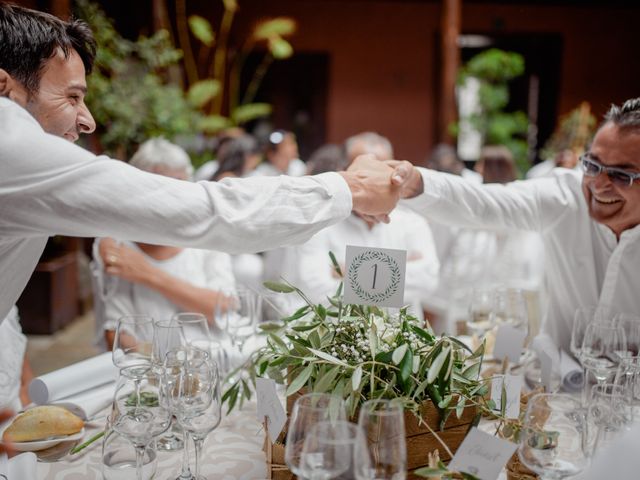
[444, 403]
[305, 328]
[503, 398]
[461, 344]
[250, 111]
[329, 358]
[460, 406]
[280, 48]
[430, 472]
[301, 312]
[201, 29]
[213, 123]
[336, 265]
[398, 353]
[203, 91]
[279, 287]
[279, 344]
[314, 339]
[356, 378]
[300, 380]
[270, 326]
[406, 365]
[472, 372]
[326, 380]
[436, 365]
[280, 26]
[422, 333]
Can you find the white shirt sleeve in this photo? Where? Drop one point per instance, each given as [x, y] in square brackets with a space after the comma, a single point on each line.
[50, 186]
[524, 205]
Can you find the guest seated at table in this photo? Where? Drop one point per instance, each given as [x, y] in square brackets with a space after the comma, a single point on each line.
[237, 157]
[589, 223]
[281, 156]
[160, 280]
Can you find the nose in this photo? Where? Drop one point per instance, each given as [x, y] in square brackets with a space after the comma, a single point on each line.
[85, 122]
[601, 181]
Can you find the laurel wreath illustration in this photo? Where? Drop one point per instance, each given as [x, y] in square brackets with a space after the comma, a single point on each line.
[383, 258]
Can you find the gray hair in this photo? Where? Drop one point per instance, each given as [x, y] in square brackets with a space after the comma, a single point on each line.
[158, 152]
[627, 116]
[369, 140]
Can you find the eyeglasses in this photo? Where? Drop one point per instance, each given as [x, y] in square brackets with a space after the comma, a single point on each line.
[618, 176]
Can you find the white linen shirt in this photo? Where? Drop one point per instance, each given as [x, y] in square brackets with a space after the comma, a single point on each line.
[584, 262]
[50, 186]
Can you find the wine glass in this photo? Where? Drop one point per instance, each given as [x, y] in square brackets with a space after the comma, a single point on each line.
[608, 415]
[139, 411]
[133, 341]
[552, 437]
[194, 330]
[119, 458]
[308, 410]
[192, 378]
[167, 335]
[602, 348]
[631, 325]
[582, 318]
[328, 450]
[241, 317]
[628, 377]
[480, 309]
[381, 452]
[510, 307]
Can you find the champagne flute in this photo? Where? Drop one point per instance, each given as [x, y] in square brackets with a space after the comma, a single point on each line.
[552, 438]
[139, 412]
[308, 410]
[602, 348]
[381, 452]
[195, 397]
[328, 450]
[132, 342]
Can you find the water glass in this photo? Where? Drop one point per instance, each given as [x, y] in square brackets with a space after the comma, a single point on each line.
[381, 452]
[307, 411]
[132, 343]
[328, 450]
[552, 437]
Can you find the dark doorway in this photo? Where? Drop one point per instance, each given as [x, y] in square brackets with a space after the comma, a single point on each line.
[297, 90]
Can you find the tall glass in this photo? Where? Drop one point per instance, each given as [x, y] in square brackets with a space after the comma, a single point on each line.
[139, 412]
[381, 453]
[552, 437]
[308, 410]
[328, 450]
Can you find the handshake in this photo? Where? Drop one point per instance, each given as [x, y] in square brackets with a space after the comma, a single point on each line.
[377, 186]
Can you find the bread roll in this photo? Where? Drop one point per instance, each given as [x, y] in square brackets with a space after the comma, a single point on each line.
[42, 422]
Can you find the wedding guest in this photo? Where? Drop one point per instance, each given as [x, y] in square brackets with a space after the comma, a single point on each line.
[368, 143]
[589, 223]
[281, 156]
[237, 157]
[160, 280]
[50, 186]
[444, 158]
[327, 158]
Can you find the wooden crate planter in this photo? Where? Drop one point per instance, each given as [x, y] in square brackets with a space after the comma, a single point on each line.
[420, 441]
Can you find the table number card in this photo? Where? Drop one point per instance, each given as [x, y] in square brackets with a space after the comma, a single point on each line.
[269, 406]
[482, 455]
[375, 276]
[512, 387]
[509, 343]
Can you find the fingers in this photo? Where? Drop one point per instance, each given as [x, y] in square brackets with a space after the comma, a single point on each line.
[406, 177]
[6, 447]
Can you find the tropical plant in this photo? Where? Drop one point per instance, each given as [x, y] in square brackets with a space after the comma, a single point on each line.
[128, 93]
[494, 69]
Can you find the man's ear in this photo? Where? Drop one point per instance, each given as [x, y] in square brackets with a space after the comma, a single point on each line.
[12, 89]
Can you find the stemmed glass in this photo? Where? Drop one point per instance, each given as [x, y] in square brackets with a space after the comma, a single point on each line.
[139, 411]
[552, 438]
[194, 329]
[631, 325]
[602, 348]
[241, 317]
[133, 341]
[628, 377]
[608, 412]
[309, 410]
[328, 450]
[510, 307]
[381, 452]
[192, 379]
[480, 309]
[582, 318]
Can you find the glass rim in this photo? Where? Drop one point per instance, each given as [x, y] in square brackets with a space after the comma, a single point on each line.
[135, 318]
[393, 408]
[300, 402]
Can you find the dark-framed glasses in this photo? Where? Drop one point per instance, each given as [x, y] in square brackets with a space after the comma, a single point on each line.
[618, 176]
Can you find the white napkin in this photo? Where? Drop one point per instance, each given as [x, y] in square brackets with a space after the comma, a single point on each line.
[86, 404]
[570, 371]
[71, 380]
[20, 467]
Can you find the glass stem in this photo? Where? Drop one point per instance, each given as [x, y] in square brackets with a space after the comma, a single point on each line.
[197, 442]
[140, 461]
[186, 473]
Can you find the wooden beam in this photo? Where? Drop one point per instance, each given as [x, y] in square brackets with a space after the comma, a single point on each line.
[450, 54]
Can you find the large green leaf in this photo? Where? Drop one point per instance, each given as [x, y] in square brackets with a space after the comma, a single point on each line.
[300, 380]
[356, 378]
[251, 111]
[203, 91]
[399, 353]
[329, 358]
[280, 48]
[326, 380]
[276, 27]
[436, 365]
[201, 29]
[279, 287]
[213, 123]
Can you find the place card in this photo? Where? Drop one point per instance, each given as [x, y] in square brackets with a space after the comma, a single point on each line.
[509, 343]
[513, 387]
[269, 406]
[482, 455]
[375, 276]
[546, 364]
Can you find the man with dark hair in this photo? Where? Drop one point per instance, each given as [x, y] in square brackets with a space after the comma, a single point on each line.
[589, 224]
[49, 186]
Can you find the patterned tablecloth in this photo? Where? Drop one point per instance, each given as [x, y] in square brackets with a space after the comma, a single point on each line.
[232, 451]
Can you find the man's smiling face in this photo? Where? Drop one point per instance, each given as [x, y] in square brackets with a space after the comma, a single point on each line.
[616, 206]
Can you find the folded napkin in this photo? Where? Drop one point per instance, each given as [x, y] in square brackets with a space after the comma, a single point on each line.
[571, 375]
[20, 467]
[81, 377]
